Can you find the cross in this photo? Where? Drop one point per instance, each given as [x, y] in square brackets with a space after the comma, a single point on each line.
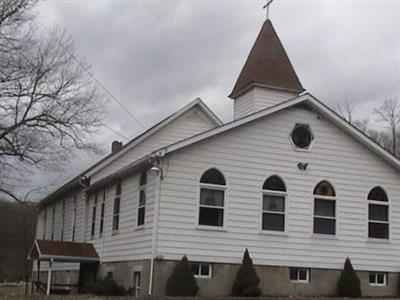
[266, 6]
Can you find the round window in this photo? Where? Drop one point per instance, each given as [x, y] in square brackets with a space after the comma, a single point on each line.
[302, 136]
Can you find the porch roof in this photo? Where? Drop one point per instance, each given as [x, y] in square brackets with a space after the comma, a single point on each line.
[63, 251]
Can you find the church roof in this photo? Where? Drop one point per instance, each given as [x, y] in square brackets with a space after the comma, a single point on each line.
[304, 99]
[267, 65]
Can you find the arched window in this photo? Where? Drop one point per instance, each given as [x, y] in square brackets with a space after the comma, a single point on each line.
[324, 209]
[378, 214]
[141, 210]
[116, 208]
[212, 198]
[273, 206]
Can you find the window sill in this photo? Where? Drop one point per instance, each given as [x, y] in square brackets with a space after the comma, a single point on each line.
[140, 227]
[377, 285]
[378, 241]
[276, 233]
[115, 232]
[211, 228]
[324, 236]
[299, 282]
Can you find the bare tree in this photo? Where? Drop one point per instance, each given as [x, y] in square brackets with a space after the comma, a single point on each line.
[389, 113]
[49, 104]
[346, 110]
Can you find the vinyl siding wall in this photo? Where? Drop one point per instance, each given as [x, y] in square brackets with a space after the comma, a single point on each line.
[131, 242]
[250, 154]
[257, 99]
[192, 122]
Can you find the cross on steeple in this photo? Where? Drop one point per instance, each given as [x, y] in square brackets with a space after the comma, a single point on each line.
[266, 6]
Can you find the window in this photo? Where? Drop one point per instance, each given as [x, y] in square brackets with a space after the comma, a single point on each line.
[302, 136]
[74, 219]
[201, 270]
[93, 224]
[103, 204]
[136, 283]
[117, 202]
[299, 275]
[378, 279]
[62, 219]
[53, 221]
[378, 214]
[212, 198]
[44, 224]
[141, 211]
[324, 209]
[273, 206]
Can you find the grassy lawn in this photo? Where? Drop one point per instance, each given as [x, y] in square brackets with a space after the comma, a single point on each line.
[12, 289]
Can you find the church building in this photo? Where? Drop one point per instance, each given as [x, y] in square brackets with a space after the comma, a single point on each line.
[288, 179]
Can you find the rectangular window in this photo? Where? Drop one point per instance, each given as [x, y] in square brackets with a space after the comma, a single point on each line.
[136, 283]
[201, 270]
[273, 212]
[299, 275]
[212, 203]
[53, 221]
[103, 204]
[378, 279]
[325, 216]
[116, 209]
[141, 208]
[93, 224]
[62, 219]
[378, 221]
[44, 224]
[74, 218]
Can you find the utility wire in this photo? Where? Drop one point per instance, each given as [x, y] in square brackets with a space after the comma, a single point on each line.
[28, 60]
[114, 131]
[108, 92]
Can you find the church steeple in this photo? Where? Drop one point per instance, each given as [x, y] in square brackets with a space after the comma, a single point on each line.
[267, 68]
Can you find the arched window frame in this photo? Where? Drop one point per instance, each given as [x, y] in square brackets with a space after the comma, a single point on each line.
[380, 203]
[215, 187]
[142, 199]
[333, 199]
[284, 196]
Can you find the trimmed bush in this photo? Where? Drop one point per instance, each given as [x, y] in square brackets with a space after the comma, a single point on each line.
[349, 283]
[107, 287]
[247, 280]
[182, 281]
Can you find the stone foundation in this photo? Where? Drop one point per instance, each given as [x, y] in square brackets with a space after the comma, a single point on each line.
[275, 282]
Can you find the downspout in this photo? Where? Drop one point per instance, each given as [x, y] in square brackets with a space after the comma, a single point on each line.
[155, 229]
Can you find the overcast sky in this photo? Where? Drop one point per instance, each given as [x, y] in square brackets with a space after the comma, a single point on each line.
[156, 56]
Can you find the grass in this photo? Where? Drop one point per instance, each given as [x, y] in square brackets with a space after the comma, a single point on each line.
[12, 288]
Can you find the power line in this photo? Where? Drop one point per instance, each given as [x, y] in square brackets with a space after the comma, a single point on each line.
[101, 85]
[114, 131]
[97, 81]
[27, 59]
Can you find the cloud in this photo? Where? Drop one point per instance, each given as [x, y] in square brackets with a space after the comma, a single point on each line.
[156, 56]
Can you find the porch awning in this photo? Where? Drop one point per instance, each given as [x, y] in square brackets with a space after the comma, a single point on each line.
[43, 250]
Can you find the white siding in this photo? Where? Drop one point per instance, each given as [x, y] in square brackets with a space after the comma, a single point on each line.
[258, 98]
[192, 122]
[247, 156]
[130, 243]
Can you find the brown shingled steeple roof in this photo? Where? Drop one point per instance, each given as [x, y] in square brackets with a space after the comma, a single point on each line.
[267, 65]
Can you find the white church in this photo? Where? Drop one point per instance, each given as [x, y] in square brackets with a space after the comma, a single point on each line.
[288, 179]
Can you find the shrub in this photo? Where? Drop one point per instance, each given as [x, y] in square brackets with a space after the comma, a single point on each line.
[349, 283]
[247, 280]
[107, 287]
[182, 281]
